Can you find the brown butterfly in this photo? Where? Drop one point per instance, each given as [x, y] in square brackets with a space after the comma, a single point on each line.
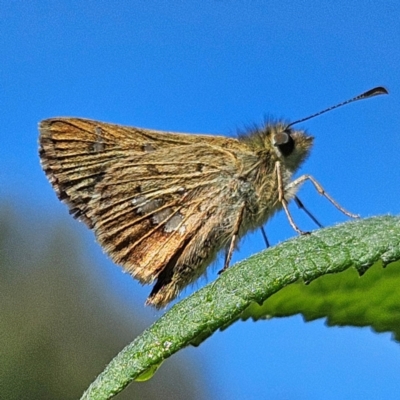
[164, 204]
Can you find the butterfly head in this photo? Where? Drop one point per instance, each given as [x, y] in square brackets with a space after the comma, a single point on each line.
[291, 146]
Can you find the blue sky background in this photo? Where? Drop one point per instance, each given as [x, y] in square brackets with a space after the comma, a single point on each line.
[213, 67]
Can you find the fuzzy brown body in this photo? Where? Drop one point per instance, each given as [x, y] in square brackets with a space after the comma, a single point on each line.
[163, 204]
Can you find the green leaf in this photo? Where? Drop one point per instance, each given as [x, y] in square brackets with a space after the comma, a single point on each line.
[344, 299]
[238, 293]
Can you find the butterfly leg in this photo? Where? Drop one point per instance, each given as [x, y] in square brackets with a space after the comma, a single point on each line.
[234, 239]
[264, 234]
[283, 201]
[321, 191]
[303, 207]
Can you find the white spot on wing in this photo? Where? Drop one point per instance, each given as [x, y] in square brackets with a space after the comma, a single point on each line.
[161, 216]
[148, 148]
[174, 223]
[99, 145]
[145, 206]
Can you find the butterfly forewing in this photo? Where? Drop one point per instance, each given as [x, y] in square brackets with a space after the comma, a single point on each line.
[158, 202]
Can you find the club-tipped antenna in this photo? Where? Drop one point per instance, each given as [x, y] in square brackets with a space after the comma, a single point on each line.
[366, 95]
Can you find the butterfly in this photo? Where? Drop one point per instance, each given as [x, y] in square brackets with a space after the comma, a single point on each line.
[164, 204]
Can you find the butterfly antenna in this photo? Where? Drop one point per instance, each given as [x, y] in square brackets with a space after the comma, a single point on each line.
[366, 95]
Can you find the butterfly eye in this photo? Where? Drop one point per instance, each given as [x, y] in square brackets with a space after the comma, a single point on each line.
[285, 143]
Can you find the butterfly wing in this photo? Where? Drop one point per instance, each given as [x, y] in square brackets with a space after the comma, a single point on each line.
[75, 153]
[161, 204]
